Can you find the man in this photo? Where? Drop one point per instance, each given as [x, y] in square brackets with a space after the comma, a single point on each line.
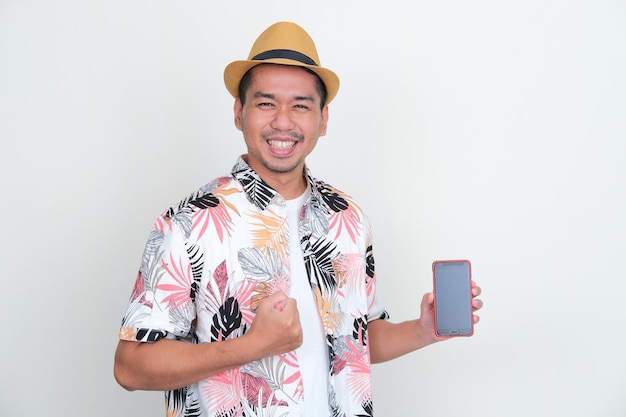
[256, 295]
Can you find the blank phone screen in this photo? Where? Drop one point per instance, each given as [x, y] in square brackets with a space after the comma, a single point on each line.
[453, 300]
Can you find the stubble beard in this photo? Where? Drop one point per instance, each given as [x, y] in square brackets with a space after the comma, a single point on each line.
[276, 168]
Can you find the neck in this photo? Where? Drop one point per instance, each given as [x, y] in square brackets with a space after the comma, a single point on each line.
[289, 187]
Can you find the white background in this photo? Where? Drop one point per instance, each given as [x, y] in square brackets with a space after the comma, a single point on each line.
[488, 130]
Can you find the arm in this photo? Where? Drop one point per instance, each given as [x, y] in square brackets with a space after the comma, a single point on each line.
[171, 364]
[391, 340]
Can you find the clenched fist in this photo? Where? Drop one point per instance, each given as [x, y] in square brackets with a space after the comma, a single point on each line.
[276, 328]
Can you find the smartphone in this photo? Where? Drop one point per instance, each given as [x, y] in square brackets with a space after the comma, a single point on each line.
[452, 286]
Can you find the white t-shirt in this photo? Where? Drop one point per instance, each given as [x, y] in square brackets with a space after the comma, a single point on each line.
[313, 354]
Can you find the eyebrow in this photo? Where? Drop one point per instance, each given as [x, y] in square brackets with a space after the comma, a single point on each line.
[270, 96]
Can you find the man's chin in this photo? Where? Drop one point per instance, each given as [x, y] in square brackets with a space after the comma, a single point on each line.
[282, 168]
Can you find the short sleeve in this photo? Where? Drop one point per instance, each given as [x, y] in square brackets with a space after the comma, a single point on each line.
[160, 304]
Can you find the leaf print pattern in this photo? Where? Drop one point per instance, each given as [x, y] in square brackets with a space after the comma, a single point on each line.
[256, 388]
[360, 331]
[270, 410]
[264, 267]
[155, 240]
[318, 261]
[369, 259]
[180, 399]
[367, 407]
[345, 217]
[351, 357]
[209, 210]
[180, 290]
[258, 192]
[335, 201]
[196, 264]
[272, 371]
[226, 321]
[317, 215]
[328, 308]
[223, 393]
[269, 230]
[211, 259]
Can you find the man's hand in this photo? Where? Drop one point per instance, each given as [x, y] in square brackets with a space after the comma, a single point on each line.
[276, 328]
[427, 311]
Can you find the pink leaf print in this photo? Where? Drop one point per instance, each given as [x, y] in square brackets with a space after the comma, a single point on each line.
[253, 385]
[358, 362]
[221, 277]
[358, 370]
[290, 359]
[220, 217]
[345, 220]
[224, 391]
[179, 292]
[163, 222]
[244, 296]
[350, 267]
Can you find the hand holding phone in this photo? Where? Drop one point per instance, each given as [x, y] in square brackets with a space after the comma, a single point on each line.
[452, 287]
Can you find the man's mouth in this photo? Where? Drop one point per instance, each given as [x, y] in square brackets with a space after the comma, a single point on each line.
[281, 144]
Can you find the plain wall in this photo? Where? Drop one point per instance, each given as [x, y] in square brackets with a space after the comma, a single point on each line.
[487, 130]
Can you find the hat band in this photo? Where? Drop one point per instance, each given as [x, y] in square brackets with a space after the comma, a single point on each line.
[285, 54]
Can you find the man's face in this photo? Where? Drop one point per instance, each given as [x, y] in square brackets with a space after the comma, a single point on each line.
[281, 120]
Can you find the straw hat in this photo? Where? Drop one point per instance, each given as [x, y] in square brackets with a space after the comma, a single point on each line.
[282, 43]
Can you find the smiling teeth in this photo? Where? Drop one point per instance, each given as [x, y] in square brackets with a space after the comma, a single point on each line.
[281, 144]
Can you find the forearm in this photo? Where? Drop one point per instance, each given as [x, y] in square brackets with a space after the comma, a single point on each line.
[391, 340]
[171, 364]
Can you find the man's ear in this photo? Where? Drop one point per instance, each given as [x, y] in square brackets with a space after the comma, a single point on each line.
[324, 121]
[237, 109]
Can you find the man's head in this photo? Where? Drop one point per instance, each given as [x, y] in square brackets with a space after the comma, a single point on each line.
[283, 43]
[281, 120]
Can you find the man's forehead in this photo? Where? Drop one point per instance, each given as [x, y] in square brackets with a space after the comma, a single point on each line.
[266, 78]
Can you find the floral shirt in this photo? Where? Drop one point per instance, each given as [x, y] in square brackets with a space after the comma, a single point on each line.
[210, 260]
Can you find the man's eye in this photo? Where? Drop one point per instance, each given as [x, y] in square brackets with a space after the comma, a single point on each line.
[266, 104]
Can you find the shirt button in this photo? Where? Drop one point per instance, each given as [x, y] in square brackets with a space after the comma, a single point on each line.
[279, 199]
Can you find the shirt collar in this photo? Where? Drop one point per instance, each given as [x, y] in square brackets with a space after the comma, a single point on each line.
[258, 191]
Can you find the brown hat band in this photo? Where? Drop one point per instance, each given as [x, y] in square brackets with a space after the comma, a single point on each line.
[285, 54]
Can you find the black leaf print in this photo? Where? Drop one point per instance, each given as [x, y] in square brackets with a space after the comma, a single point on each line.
[259, 192]
[360, 330]
[183, 205]
[367, 407]
[369, 262]
[332, 199]
[330, 342]
[205, 201]
[319, 265]
[147, 335]
[196, 258]
[182, 399]
[175, 400]
[226, 321]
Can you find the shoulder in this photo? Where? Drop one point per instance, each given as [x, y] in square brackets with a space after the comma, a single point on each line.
[201, 198]
[335, 199]
[208, 196]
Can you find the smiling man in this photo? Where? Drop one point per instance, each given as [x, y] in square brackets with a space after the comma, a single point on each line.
[256, 295]
[281, 116]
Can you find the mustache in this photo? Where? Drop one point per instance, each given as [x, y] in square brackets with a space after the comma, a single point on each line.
[268, 134]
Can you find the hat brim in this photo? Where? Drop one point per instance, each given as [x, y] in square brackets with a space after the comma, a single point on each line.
[236, 70]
